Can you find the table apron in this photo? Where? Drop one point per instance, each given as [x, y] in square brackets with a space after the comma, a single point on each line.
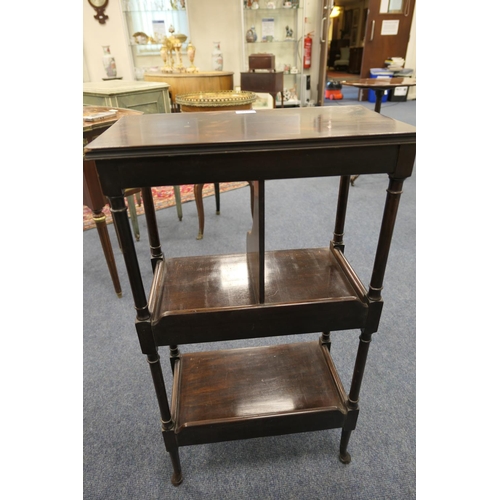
[196, 168]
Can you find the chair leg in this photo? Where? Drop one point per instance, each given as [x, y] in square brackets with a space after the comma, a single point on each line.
[198, 196]
[133, 216]
[178, 201]
[250, 183]
[217, 197]
[102, 231]
[138, 198]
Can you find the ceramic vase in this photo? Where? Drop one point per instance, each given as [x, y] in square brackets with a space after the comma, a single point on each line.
[109, 62]
[191, 51]
[251, 35]
[217, 59]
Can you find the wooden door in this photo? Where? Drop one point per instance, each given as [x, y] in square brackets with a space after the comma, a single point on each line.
[387, 33]
[326, 8]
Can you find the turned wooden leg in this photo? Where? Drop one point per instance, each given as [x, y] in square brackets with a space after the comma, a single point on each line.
[167, 425]
[325, 340]
[344, 456]
[173, 451]
[153, 234]
[338, 233]
[178, 201]
[174, 355]
[102, 230]
[198, 196]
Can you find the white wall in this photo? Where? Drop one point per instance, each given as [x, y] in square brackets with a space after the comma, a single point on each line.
[96, 35]
[217, 21]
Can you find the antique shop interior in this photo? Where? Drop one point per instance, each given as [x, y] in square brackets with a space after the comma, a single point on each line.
[249, 206]
[310, 41]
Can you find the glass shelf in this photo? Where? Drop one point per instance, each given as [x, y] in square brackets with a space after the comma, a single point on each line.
[271, 10]
[290, 40]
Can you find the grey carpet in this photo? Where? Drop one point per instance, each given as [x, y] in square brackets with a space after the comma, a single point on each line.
[124, 455]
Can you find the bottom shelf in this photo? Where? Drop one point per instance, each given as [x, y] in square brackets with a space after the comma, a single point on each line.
[254, 392]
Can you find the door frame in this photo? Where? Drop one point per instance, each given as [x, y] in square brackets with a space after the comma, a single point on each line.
[325, 9]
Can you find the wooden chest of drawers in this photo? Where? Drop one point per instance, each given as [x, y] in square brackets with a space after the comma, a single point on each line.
[261, 61]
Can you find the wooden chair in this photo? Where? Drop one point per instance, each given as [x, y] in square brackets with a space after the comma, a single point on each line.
[212, 101]
[343, 61]
[198, 196]
[133, 196]
[92, 191]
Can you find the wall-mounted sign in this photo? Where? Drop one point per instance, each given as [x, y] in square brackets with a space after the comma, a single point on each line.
[390, 27]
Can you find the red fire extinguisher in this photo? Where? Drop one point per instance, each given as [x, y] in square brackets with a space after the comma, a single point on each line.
[307, 51]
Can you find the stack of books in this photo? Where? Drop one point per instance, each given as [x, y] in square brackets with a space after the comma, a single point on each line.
[395, 63]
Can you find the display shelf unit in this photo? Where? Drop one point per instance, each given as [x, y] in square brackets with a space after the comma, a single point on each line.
[285, 48]
[152, 18]
[268, 390]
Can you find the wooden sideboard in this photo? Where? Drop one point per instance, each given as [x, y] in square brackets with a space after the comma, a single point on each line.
[187, 83]
[270, 82]
[148, 97]
[221, 395]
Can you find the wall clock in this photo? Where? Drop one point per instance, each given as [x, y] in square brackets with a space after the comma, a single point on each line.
[100, 6]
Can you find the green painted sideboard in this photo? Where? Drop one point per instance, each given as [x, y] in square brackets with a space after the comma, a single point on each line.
[148, 97]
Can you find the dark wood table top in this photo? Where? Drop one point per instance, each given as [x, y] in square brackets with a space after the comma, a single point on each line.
[179, 133]
[226, 146]
[381, 83]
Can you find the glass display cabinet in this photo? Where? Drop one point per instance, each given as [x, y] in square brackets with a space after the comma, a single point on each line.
[148, 22]
[276, 28]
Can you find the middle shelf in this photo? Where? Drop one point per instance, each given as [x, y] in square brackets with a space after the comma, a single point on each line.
[200, 299]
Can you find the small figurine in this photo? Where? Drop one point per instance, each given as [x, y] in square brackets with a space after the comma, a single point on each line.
[289, 32]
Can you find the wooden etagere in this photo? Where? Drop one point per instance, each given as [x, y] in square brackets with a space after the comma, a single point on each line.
[260, 391]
